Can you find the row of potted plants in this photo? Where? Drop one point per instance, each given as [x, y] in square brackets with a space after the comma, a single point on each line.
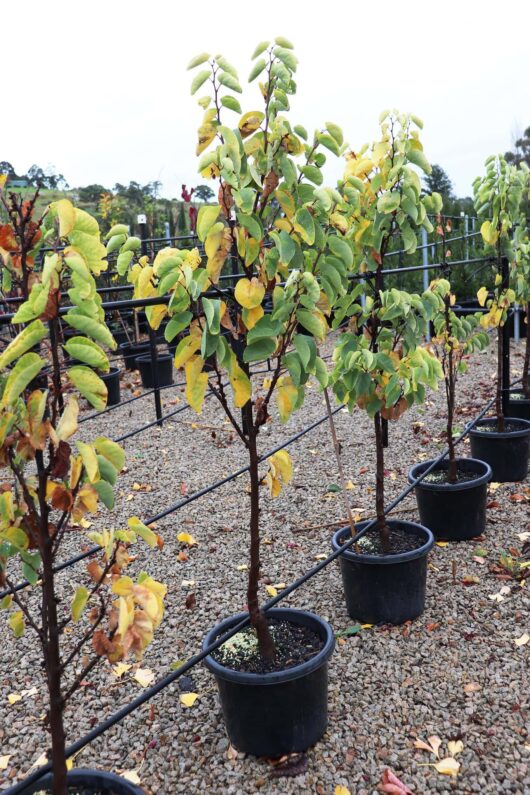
[300, 259]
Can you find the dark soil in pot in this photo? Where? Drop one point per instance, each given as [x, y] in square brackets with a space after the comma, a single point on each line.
[453, 511]
[386, 588]
[506, 452]
[280, 711]
[164, 369]
[130, 350]
[112, 381]
[519, 405]
[87, 782]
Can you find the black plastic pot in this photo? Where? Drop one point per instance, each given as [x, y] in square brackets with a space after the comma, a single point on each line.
[164, 366]
[281, 712]
[453, 511]
[130, 350]
[385, 589]
[506, 453]
[112, 381]
[86, 782]
[519, 407]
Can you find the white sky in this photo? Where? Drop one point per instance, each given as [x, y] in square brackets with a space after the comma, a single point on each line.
[99, 88]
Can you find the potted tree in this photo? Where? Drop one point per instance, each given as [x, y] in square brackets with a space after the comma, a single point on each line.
[452, 497]
[50, 485]
[501, 441]
[385, 369]
[271, 239]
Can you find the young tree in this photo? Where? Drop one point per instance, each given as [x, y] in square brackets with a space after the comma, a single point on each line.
[204, 193]
[438, 182]
[50, 485]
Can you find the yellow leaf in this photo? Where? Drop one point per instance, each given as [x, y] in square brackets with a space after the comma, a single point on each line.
[66, 214]
[196, 383]
[441, 544]
[448, 766]
[188, 699]
[190, 347]
[68, 423]
[350, 485]
[186, 538]
[251, 316]
[367, 626]
[271, 590]
[120, 668]
[340, 790]
[144, 676]
[79, 602]
[455, 747]
[250, 122]
[286, 396]
[523, 640]
[14, 697]
[43, 758]
[249, 292]
[240, 383]
[4, 761]
[90, 461]
[482, 295]
[132, 776]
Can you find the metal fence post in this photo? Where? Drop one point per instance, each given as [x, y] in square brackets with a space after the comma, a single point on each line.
[425, 256]
[505, 331]
[142, 222]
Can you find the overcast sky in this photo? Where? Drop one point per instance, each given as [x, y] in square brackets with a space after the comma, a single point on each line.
[100, 89]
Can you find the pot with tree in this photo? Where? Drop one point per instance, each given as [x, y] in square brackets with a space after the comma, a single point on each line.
[502, 441]
[50, 484]
[452, 497]
[385, 369]
[273, 234]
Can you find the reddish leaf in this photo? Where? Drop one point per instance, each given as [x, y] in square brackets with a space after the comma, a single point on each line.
[390, 783]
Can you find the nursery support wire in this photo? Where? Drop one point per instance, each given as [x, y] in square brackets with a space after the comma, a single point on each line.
[149, 693]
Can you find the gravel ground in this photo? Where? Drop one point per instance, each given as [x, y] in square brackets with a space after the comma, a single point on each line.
[455, 672]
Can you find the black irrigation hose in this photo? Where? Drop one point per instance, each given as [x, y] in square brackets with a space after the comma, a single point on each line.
[197, 658]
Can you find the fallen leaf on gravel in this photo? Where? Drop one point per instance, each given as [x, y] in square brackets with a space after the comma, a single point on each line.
[144, 676]
[479, 559]
[188, 699]
[432, 626]
[524, 536]
[14, 697]
[367, 626]
[441, 544]
[390, 783]
[447, 766]
[186, 538]
[470, 579]
[288, 766]
[432, 745]
[472, 687]
[271, 590]
[174, 666]
[43, 758]
[349, 631]
[191, 601]
[493, 504]
[188, 583]
[455, 747]
[4, 761]
[120, 668]
[340, 790]
[243, 567]
[518, 498]
[182, 556]
[350, 485]
[499, 597]
[321, 556]
[132, 776]
[231, 753]
[523, 640]
[494, 486]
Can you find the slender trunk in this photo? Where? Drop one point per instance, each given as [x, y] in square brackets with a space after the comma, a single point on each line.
[526, 365]
[384, 530]
[500, 380]
[257, 617]
[53, 671]
[450, 376]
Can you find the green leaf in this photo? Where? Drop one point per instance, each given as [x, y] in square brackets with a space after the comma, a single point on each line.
[105, 493]
[212, 312]
[256, 70]
[23, 342]
[123, 262]
[264, 328]
[229, 81]
[418, 158]
[313, 174]
[84, 350]
[225, 65]
[79, 602]
[24, 313]
[388, 202]
[341, 249]
[92, 328]
[178, 323]
[107, 470]
[300, 131]
[261, 349]
[329, 142]
[252, 224]
[111, 451]
[286, 246]
[90, 385]
[143, 531]
[199, 79]
[24, 371]
[286, 57]
[132, 244]
[305, 219]
[335, 131]
[306, 349]
[208, 215]
[262, 46]
[281, 42]
[198, 60]
[231, 103]
[115, 242]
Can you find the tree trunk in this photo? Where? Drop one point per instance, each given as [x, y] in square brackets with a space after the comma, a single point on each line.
[257, 617]
[500, 381]
[53, 671]
[450, 376]
[384, 530]
[526, 365]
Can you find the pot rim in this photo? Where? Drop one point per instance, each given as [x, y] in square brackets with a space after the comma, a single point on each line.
[519, 391]
[112, 371]
[86, 775]
[523, 431]
[146, 357]
[466, 485]
[274, 677]
[384, 560]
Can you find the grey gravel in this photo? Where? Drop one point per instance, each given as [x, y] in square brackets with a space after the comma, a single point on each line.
[388, 685]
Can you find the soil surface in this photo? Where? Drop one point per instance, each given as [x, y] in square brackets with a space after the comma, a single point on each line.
[440, 476]
[294, 645]
[400, 541]
[509, 427]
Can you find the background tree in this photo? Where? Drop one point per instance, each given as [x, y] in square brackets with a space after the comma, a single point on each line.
[438, 182]
[204, 193]
[521, 151]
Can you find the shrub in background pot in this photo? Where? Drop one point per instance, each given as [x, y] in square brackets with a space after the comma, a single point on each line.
[285, 261]
[385, 370]
[452, 497]
[50, 485]
[504, 442]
